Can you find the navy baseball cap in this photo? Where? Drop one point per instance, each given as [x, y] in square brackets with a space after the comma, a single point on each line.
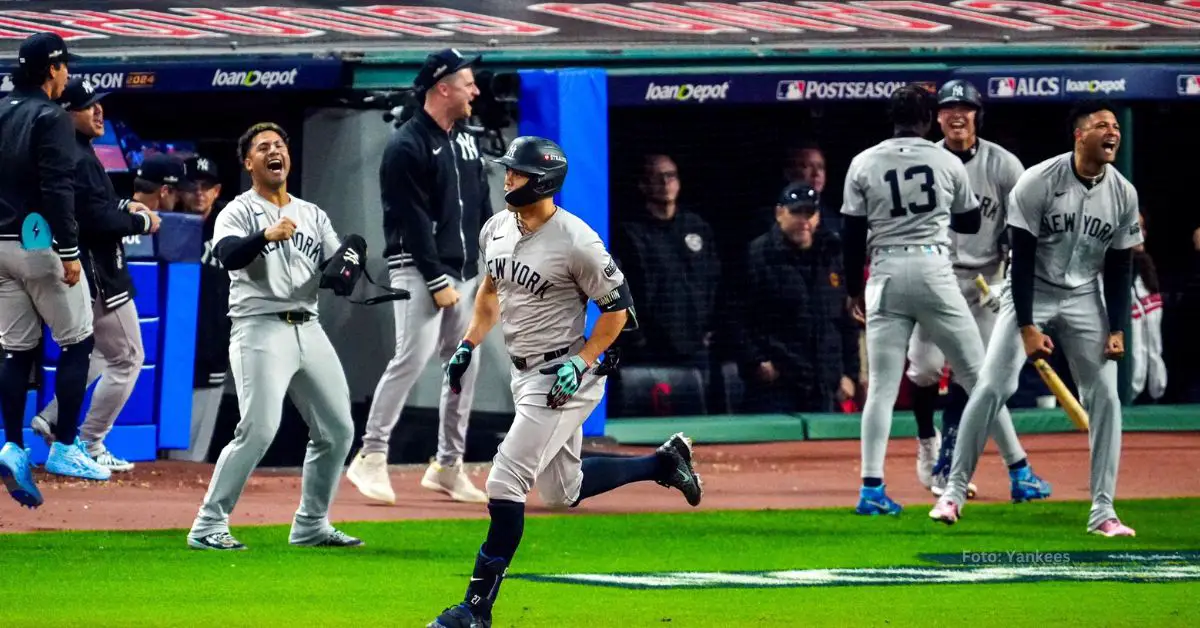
[79, 95]
[799, 198]
[40, 50]
[162, 169]
[440, 65]
[198, 168]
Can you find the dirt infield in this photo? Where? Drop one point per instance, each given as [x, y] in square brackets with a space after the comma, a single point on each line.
[164, 495]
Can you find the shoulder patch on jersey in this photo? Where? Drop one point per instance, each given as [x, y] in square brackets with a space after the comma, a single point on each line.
[611, 269]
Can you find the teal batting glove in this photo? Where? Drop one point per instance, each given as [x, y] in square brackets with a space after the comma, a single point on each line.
[458, 365]
[568, 376]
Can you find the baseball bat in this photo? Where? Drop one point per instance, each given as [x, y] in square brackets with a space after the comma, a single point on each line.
[1069, 403]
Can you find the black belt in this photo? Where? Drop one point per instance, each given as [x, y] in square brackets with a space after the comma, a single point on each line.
[295, 317]
[522, 363]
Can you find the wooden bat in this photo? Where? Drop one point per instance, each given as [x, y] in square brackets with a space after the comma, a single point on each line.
[1069, 403]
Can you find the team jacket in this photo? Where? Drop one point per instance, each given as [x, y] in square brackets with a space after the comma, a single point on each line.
[212, 323]
[103, 222]
[674, 273]
[794, 314]
[435, 201]
[37, 159]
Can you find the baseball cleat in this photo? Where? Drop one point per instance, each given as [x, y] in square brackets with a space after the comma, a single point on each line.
[16, 473]
[1026, 486]
[215, 541]
[927, 456]
[459, 617]
[945, 510]
[680, 474]
[453, 481]
[368, 473]
[74, 461]
[337, 538]
[110, 461]
[941, 477]
[873, 500]
[1113, 527]
[43, 428]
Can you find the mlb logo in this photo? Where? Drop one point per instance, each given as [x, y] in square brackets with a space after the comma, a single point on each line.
[789, 90]
[1002, 87]
[1188, 85]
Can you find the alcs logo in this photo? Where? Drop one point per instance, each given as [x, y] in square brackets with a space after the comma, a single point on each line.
[1011, 86]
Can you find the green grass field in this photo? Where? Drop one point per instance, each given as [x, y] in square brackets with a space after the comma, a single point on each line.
[411, 570]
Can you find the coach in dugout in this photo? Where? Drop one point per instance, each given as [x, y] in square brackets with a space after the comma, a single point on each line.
[798, 344]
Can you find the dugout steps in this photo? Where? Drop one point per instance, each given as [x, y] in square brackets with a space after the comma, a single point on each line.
[760, 428]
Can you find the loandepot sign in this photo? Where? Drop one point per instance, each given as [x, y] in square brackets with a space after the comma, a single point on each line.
[880, 576]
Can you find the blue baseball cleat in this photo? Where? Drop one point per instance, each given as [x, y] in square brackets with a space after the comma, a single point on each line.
[1026, 486]
[17, 474]
[75, 461]
[872, 500]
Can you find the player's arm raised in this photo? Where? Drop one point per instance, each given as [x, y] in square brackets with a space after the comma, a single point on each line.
[1026, 204]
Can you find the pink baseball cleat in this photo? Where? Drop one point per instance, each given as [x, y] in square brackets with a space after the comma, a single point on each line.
[945, 511]
[1114, 527]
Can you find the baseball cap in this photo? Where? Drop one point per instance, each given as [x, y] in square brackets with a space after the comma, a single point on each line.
[201, 168]
[162, 169]
[41, 49]
[439, 65]
[79, 95]
[799, 197]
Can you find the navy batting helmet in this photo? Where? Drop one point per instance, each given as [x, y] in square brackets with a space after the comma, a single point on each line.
[543, 161]
[960, 91]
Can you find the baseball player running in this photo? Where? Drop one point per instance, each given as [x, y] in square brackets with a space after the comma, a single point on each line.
[906, 191]
[273, 244]
[543, 265]
[1071, 218]
[992, 171]
[104, 221]
[41, 278]
[435, 199]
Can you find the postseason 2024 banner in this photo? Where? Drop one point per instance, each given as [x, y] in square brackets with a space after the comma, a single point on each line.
[234, 26]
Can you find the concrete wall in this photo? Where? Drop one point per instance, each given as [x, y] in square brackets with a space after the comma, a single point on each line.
[342, 152]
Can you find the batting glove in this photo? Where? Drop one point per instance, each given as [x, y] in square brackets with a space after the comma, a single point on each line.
[458, 365]
[568, 376]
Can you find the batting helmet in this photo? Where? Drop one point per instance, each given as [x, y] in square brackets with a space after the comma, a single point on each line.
[542, 161]
[960, 91]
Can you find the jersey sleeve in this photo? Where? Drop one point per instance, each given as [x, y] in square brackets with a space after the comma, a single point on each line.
[594, 269]
[854, 198]
[1011, 170]
[233, 221]
[964, 199]
[1129, 229]
[1027, 203]
[329, 237]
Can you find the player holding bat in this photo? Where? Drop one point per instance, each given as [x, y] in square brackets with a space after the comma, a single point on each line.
[1071, 218]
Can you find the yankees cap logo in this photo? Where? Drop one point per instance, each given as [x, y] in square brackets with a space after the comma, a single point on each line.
[351, 256]
[958, 90]
[88, 87]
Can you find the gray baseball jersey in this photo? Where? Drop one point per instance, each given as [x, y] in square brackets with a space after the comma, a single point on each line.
[284, 277]
[993, 172]
[544, 279]
[1075, 226]
[907, 187]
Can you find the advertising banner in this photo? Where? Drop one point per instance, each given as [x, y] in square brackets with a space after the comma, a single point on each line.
[233, 27]
[207, 76]
[1022, 84]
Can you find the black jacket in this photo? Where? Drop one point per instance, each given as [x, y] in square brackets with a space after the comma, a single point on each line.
[37, 160]
[212, 322]
[794, 314]
[673, 272]
[103, 221]
[435, 200]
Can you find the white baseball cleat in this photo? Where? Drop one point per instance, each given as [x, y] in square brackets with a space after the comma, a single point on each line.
[369, 474]
[453, 481]
[927, 455]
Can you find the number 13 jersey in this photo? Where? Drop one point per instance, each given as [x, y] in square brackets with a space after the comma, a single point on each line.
[907, 187]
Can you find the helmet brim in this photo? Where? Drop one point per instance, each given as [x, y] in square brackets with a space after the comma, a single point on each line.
[511, 164]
